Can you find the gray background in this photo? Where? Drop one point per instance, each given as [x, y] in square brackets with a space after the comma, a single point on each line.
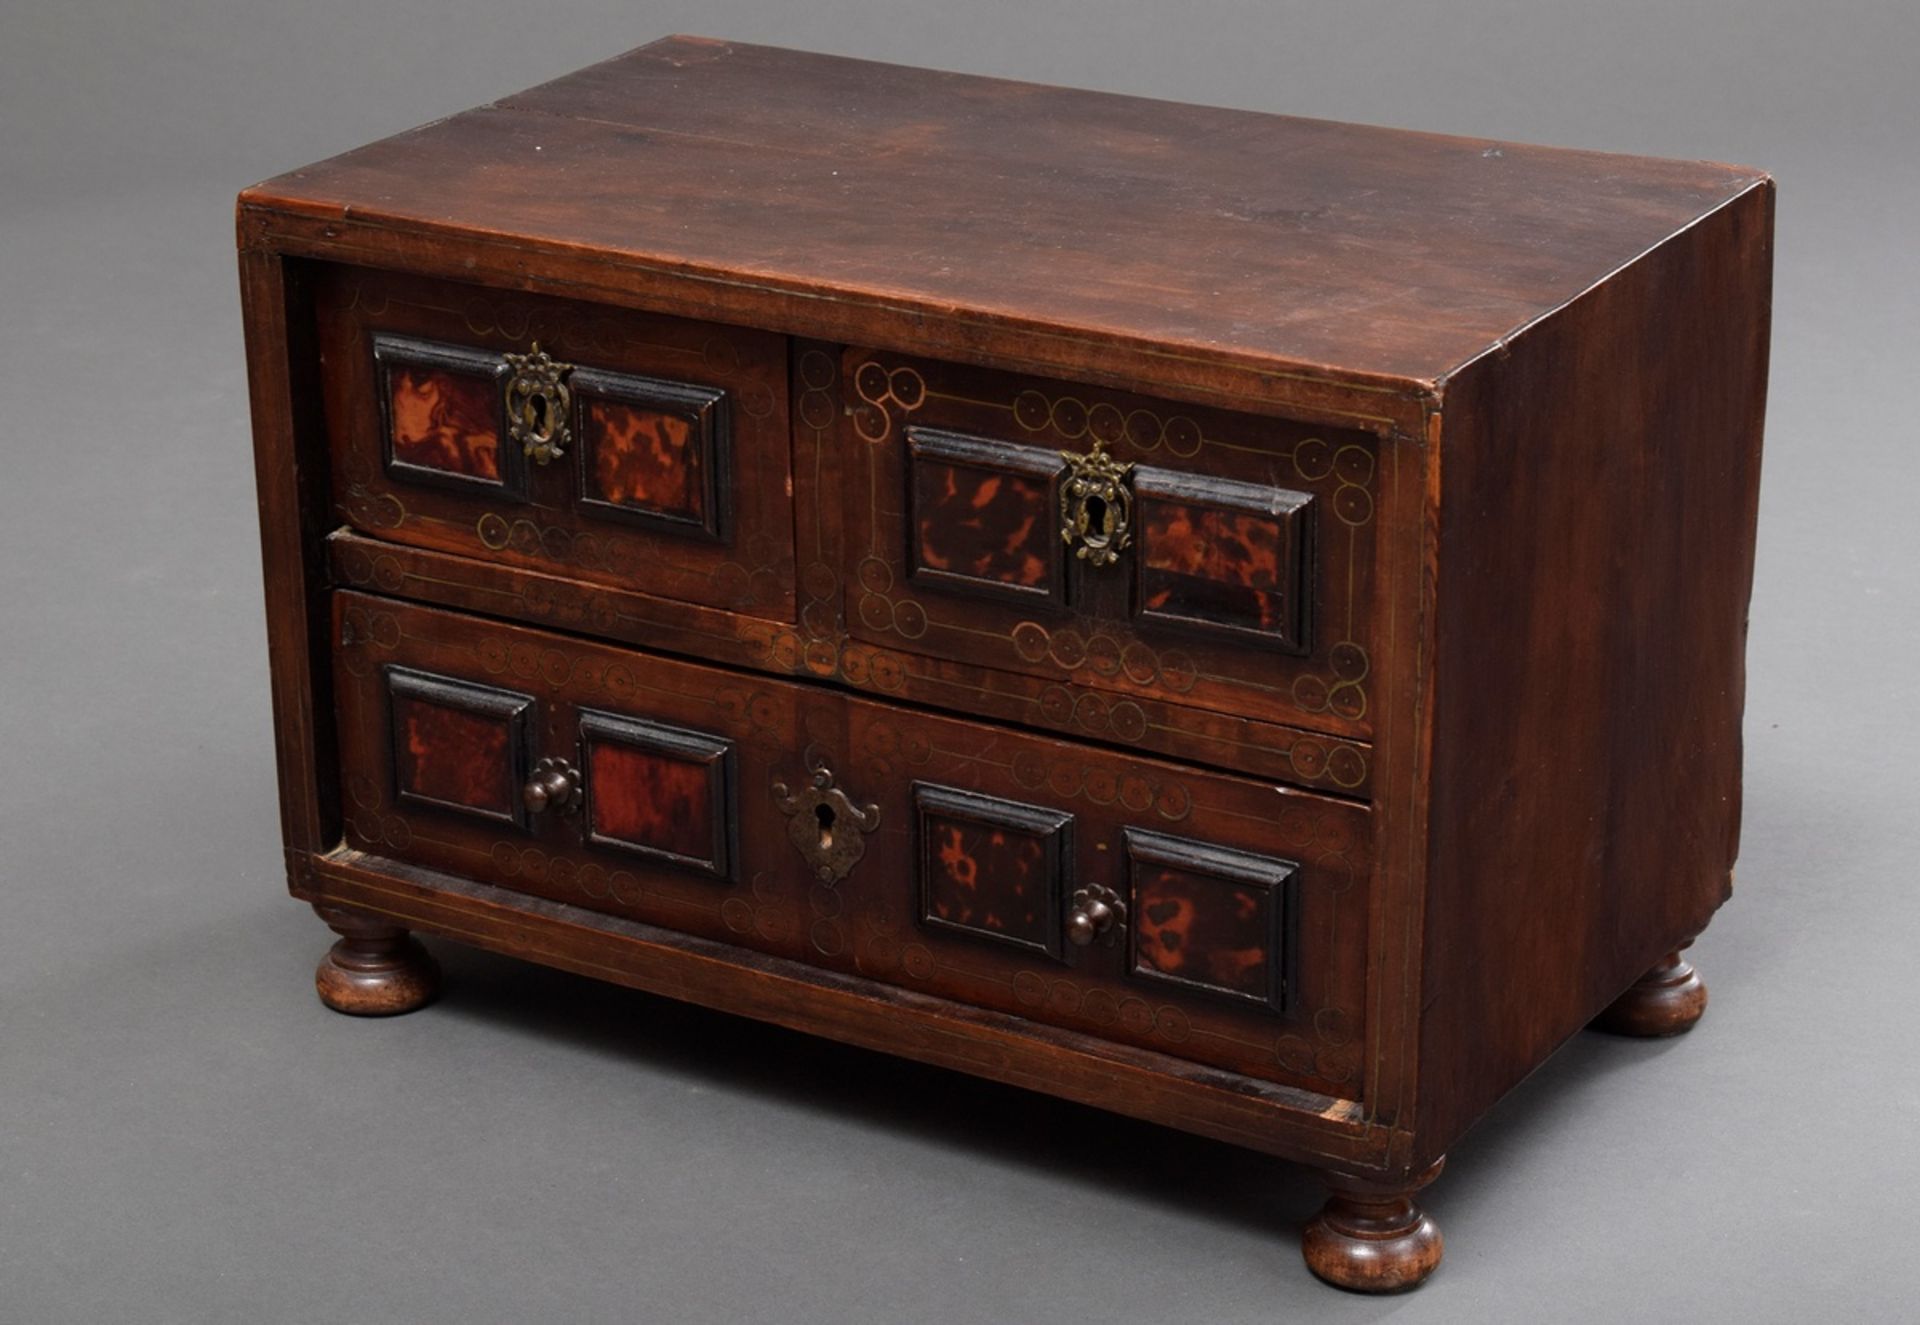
[186, 1135]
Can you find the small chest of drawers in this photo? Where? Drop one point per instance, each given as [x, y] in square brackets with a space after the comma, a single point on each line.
[1231, 619]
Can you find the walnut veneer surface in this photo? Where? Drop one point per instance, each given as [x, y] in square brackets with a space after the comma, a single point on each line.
[1234, 619]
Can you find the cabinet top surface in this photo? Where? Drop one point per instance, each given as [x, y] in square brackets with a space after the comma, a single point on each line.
[1293, 244]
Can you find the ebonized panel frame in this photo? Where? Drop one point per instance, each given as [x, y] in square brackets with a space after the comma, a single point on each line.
[990, 456]
[390, 351]
[709, 412]
[1054, 828]
[714, 753]
[1293, 511]
[509, 707]
[1278, 878]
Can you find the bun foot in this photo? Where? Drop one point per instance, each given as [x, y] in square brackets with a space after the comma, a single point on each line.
[1665, 1001]
[376, 969]
[1371, 1237]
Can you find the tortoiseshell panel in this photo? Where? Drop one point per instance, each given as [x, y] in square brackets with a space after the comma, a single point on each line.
[985, 516]
[443, 412]
[1210, 918]
[645, 797]
[659, 791]
[992, 868]
[652, 451]
[456, 745]
[642, 457]
[1222, 555]
[441, 421]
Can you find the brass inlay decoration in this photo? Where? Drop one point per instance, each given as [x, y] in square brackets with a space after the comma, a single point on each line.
[881, 390]
[538, 404]
[825, 825]
[1096, 506]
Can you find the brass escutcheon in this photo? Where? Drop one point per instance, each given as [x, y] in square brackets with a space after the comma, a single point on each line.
[1096, 506]
[538, 402]
[825, 824]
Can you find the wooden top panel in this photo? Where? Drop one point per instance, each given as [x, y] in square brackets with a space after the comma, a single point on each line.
[1365, 254]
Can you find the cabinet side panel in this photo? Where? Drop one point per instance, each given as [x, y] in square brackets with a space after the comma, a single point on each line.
[290, 469]
[1599, 486]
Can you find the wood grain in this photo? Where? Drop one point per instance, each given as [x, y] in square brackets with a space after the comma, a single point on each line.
[1592, 624]
[1401, 741]
[1294, 244]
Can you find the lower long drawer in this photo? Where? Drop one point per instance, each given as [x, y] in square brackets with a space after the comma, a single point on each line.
[1214, 918]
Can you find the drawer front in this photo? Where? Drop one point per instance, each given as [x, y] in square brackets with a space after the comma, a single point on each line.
[1218, 560]
[1213, 918]
[617, 447]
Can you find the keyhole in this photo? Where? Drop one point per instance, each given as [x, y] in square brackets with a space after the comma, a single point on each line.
[537, 407]
[1096, 520]
[824, 813]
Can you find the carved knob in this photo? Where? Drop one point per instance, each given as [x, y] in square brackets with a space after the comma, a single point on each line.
[1098, 913]
[555, 785]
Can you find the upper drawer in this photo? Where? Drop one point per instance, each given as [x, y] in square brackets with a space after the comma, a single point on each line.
[608, 445]
[1219, 560]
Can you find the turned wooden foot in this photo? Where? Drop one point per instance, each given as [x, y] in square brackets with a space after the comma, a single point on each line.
[376, 969]
[1665, 1001]
[1371, 1237]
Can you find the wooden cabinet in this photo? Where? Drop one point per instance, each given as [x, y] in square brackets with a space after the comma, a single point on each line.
[1233, 620]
